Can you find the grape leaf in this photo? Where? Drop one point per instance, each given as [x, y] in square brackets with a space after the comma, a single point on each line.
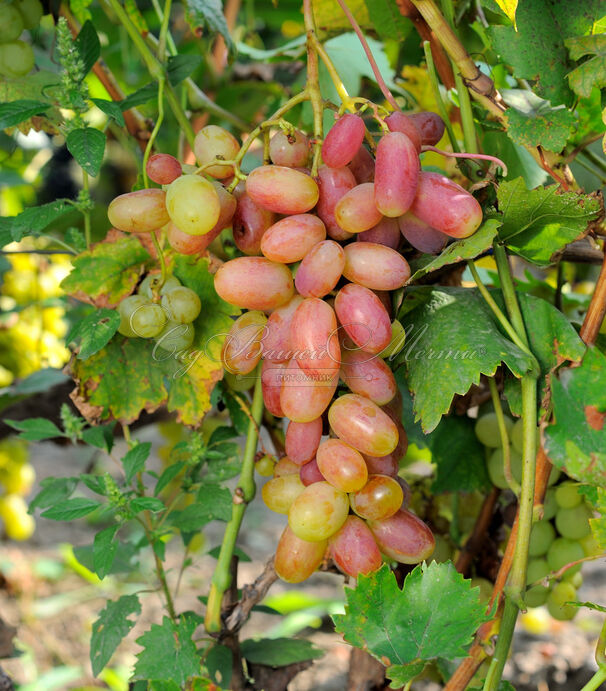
[537, 224]
[576, 440]
[87, 146]
[110, 628]
[17, 111]
[592, 72]
[218, 662]
[107, 273]
[93, 332]
[435, 614]
[387, 20]
[451, 339]
[598, 523]
[169, 654]
[329, 15]
[32, 221]
[279, 652]
[33, 88]
[208, 13]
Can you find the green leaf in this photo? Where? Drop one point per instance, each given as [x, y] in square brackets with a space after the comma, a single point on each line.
[88, 46]
[93, 332]
[70, 509]
[291, 49]
[387, 20]
[279, 652]
[538, 224]
[40, 381]
[468, 248]
[32, 221]
[218, 662]
[400, 675]
[242, 556]
[87, 146]
[179, 67]
[110, 628]
[509, 7]
[107, 273]
[329, 15]
[17, 111]
[104, 550]
[111, 109]
[590, 605]
[52, 491]
[146, 504]
[168, 651]
[533, 122]
[101, 437]
[576, 440]
[212, 504]
[451, 340]
[592, 72]
[434, 615]
[35, 429]
[209, 13]
[168, 474]
[598, 523]
[134, 460]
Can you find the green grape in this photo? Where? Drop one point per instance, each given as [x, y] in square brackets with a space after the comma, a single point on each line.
[537, 569]
[265, 466]
[573, 523]
[590, 546]
[550, 505]
[556, 601]
[555, 473]
[31, 12]
[148, 320]
[485, 587]
[16, 59]
[152, 280]
[564, 551]
[126, 309]
[576, 578]
[567, 495]
[541, 537]
[496, 470]
[443, 550]
[182, 305]
[487, 429]
[239, 382]
[175, 338]
[536, 596]
[11, 23]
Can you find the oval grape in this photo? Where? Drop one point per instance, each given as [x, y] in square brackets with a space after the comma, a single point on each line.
[343, 140]
[141, 211]
[163, 168]
[333, 184]
[320, 270]
[297, 559]
[396, 174]
[363, 317]
[356, 210]
[380, 498]
[303, 439]
[250, 223]
[403, 537]
[242, 348]
[314, 337]
[290, 150]
[193, 204]
[354, 549]
[341, 465]
[318, 512]
[375, 266]
[213, 142]
[421, 235]
[281, 189]
[290, 239]
[367, 375]
[254, 283]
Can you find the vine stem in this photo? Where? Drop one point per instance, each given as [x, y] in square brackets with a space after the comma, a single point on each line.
[596, 680]
[154, 134]
[313, 83]
[318, 48]
[596, 310]
[498, 409]
[435, 86]
[243, 495]
[467, 154]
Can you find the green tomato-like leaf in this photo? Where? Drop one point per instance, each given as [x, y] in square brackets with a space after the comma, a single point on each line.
[35, 429]
[87, 146]
[387, 20]
[107, 273]
[279, 652]
[134, 460]
[179, 67]
[213, 503]
[70, 509]
[435, 614]
[101, 437]
[104, 550]
[110, 628]
[32, 221]
[169, 654]
[146, 504]
[538, 224]
[53, 490]
[88, 46]
[452, 339]
[209, 13]
[592, 72]
[93, 332]
[111, 109]
[576, 440]
[13, 113]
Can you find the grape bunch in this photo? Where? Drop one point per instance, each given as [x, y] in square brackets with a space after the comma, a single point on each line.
[16, 479]
[321, 256]
[17, 56]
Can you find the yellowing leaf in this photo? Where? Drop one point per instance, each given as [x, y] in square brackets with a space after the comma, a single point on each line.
[509, 7]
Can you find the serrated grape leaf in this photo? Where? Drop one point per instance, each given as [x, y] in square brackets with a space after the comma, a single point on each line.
[35, 428]
[104, 550]
[87, 146]
[592, 72]
[537, 224]
[107, 273]
[169, 654]
[576, 439]
[88, 46]
[213, 503]
[535, 47]
[110, 628]
[532, 121]
[32, 221]
[598, 523]
[13, 113]
[387, 20]
[201, 13]
[70, 509]
[467, 248]
[134, 460]
[93, 332]
[111, 109]
[33, 88]
[400, 675]
[279, 652]
[435, 614]
[451, 340]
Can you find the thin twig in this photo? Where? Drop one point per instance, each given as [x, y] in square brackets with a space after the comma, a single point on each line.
[596, 310]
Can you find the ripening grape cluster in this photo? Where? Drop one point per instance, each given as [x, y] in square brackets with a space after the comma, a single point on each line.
[17, 56]
[321, 258]
[16, 479]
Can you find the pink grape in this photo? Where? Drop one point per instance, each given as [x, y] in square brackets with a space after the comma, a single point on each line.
[310, 473]
[320, 270]
[281, 189]
[363, 425]
[304, 397]
[363, 317]
[254, 283]
[375, 266]
[403, 537]
[297, 559]
[399, 122]
[271, 385]
[341, 465]
[184, 243]
[396, 174]
[250, 223]
[446, 206]
[302, 440]
[193, 204]
[318, 511]
[280, 492]
[356, 210]
[276, 341]
[213, 142]
[290, 239]
[354, 549]
[363, 166]
[368, 375]
[386, 232]
[163, 168]
[313, 335]
[421, 235]
[333, 184]
[406, 491]
[242, 346]
[383, 465]
[430, 125]
[139, 212]
[380, 498]
[289, 150]
[343, 140]
[285, 467]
